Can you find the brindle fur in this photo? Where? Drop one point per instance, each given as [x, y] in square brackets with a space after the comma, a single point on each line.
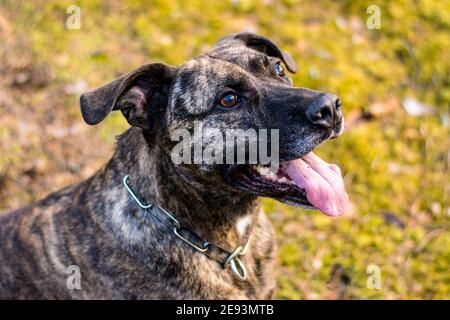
[93, 224]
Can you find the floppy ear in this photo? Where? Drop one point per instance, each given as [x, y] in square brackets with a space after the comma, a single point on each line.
[132, 93]
[264, 45]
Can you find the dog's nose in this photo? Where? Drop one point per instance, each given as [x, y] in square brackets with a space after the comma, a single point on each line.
[325, 111]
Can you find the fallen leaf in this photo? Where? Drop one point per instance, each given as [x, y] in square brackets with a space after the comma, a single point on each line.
[415, 108]
[380, 109]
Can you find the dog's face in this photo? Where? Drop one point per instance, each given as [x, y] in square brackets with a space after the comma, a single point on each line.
[243, 84]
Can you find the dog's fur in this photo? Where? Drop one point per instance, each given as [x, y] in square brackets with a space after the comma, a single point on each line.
[93, 225]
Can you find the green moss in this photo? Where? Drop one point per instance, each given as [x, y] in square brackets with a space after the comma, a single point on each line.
[396, 163]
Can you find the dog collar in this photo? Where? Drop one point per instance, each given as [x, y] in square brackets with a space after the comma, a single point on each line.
[222, 256]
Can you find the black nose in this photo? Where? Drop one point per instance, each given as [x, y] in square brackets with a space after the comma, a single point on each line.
[325, 111]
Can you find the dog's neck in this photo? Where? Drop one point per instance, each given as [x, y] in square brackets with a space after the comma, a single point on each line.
[214, 215]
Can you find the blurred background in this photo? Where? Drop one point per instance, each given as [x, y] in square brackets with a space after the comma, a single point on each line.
[392, 73]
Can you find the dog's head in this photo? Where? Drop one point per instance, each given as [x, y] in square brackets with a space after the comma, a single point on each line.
[230, 101]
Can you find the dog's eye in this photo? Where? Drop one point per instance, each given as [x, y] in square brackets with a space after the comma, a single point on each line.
[229, 100]
[279, 69]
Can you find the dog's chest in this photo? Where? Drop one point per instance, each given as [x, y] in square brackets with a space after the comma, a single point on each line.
[201, 277]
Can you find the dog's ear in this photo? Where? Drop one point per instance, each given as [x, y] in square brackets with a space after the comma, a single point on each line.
[264, 45]
[132, 94]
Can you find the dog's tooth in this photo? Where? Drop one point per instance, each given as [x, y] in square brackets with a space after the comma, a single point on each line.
[286, 180]
[263, 170]
[283, 180]
[269, 175]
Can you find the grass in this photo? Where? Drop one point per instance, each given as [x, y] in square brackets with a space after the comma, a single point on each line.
[396, 165]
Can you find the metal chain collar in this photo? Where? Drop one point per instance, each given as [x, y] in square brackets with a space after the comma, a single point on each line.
[232, 259]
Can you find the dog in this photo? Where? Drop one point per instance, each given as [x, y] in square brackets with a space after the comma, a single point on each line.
[143, 227]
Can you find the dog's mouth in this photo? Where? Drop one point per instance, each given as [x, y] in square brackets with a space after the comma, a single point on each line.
[307, 182]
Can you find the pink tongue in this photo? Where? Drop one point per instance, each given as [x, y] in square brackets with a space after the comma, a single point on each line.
[322, 182]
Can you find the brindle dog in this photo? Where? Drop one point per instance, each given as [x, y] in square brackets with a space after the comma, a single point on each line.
[124, 251]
